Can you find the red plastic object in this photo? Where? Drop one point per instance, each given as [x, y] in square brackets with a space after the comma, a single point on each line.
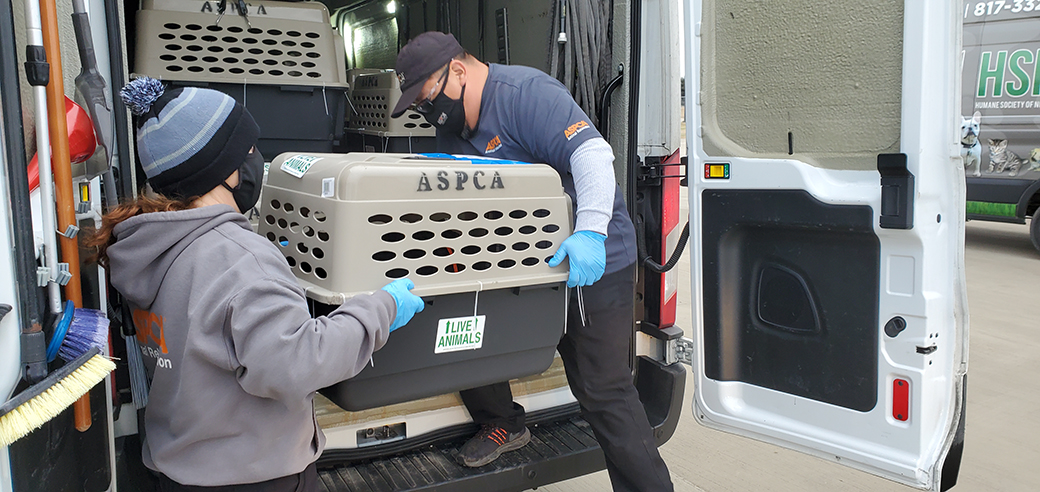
[82, 141]
[901, 400]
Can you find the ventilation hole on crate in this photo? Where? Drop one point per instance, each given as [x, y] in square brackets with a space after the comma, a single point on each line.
[305, 212]
[294, 73]
[270, 42]
[423, 236]
[496, 248]
[235, 49]
[397, 273]
[308, 64]
[551, 228]
[313, 35]
[480, 266]
[313, 75]
[451, 234]
[319, 216]
[288, 43]
[253, 30]
[393, 237]
[173, 47]
[209, 59]
[214, 28]
[283, 241]
[174, 68]
[440, 216]
[275, 52]
[270, 62]
[271, 237]
[230, 59]
[248, 40]
[166, 36]
[234, 29]
[470, 250]
[173, 26]
[209, 39]
[425, 125]
[518, 214]
[194, 69]
[384, 256]
[426, 271]
[528, 229]
[288, 207]
[301, 248]
[467, 216]
[190, 58]
[507, 263]
[414, 254]
[294, 227]
[256, 71]
[521, 246]
[323, 236]
[274, 32]
[276, 73]
[307, 44]
[294, 34]
[215, 49]
[320, 273]
[289, 63]
[256, 51]
[308, 231]
[455, 268]
[216, 69]
[236, 70]
[194, 47]
[443, 251]
[189, 37]
[478, 232]
[193, 27]
[543, 244]
[504, 231]
[297, 54]
[291, 261]
[311, 54]
[276, 204]
[172, 58]
[410, 125]
[414, 116]
[250, 61]
[380, 219]
[493, 215]
[229, 39]
[530, 261]
[411, 218]
[282, 223]
[305, 267]
[318, 253]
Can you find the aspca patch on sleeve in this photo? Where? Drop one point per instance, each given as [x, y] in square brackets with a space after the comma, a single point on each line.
[575, 129]
[493, 145]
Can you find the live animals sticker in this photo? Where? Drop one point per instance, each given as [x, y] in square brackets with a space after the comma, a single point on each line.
[298, 165]
[455, 334]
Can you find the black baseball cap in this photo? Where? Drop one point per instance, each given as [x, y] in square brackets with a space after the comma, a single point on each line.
[419, 59]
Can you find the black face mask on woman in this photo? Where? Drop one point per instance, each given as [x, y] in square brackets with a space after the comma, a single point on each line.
[449, 114]
[250, 180]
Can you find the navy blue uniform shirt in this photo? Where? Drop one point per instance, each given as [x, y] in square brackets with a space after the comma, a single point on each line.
[526, 115]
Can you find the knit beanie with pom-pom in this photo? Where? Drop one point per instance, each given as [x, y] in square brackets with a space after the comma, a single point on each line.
[189, 139]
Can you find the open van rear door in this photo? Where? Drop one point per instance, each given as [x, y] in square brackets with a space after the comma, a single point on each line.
[827, 204]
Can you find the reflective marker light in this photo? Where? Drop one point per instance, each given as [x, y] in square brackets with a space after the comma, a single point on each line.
[716, 171]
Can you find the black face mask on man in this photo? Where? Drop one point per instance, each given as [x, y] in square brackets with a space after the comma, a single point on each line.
[449, 114]
[250, 180]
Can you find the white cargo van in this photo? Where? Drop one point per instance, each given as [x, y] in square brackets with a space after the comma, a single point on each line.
[829, 310]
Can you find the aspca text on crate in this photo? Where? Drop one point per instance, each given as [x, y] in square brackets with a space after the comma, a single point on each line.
[461, 180]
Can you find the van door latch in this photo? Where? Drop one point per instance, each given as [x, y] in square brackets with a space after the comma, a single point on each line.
[897, 192]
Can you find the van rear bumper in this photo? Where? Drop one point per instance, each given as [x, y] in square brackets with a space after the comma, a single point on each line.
[562, 447]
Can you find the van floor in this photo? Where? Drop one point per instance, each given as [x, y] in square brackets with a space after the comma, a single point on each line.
[558, 450]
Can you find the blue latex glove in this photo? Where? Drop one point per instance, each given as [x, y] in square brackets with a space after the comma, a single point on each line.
[407, 303]
[588, 257]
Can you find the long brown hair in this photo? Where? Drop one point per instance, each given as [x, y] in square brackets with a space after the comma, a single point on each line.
[103, 238]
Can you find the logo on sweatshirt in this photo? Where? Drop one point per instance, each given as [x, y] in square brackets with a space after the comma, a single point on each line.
[493, 145]
[150, 333]
[575, 129]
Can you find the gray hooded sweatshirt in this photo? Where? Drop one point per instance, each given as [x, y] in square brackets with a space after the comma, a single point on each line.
[232, 351]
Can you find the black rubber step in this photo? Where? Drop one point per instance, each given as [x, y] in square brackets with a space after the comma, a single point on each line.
[558, 450]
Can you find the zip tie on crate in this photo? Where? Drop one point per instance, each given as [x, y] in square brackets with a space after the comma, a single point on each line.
[476, 297]
[244, 84]
[581, 307]
[324, 98]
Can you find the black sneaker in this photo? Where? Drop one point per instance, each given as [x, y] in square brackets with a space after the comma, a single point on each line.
[489, 443]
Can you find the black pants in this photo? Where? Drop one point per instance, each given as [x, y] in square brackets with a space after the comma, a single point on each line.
[305, 481]
[596, 356]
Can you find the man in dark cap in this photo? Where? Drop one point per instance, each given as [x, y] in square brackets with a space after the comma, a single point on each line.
[520, 113]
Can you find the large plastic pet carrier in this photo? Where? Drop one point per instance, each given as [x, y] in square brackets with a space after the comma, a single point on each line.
[474, 236]
[369, 125]
[283, 62]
